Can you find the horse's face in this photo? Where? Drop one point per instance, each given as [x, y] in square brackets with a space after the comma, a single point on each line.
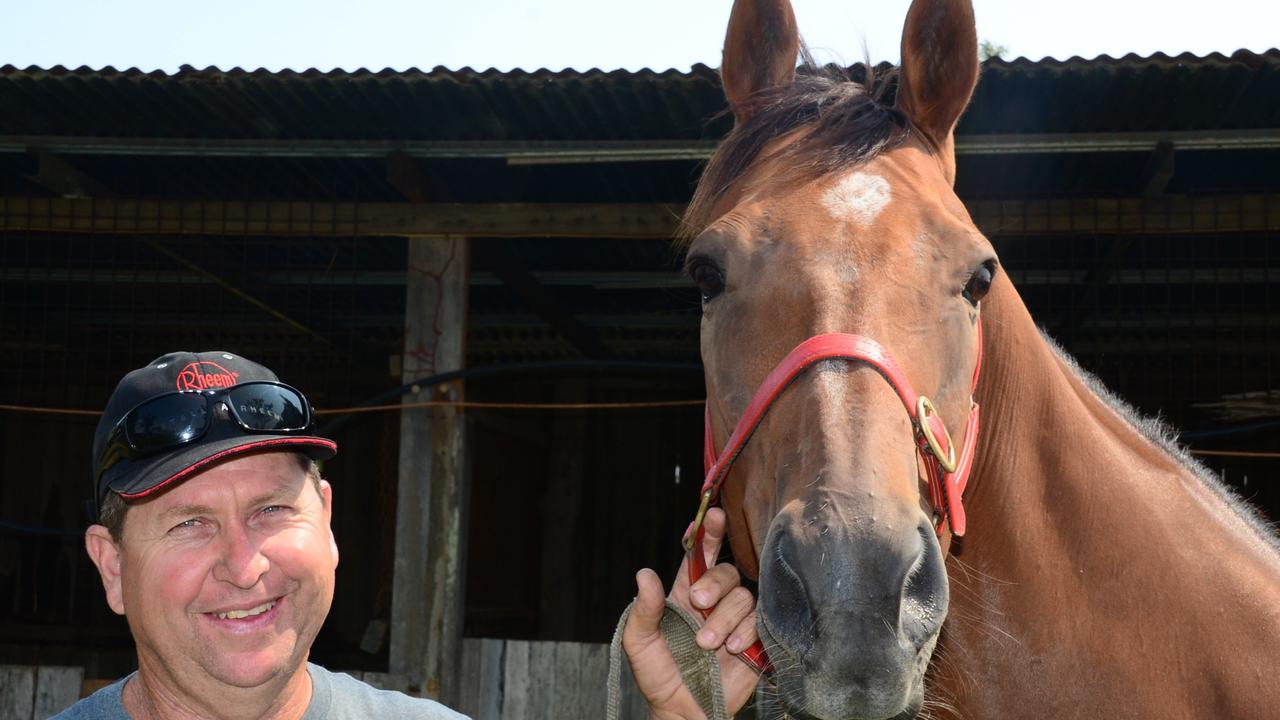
[826, 500]
[826, 503]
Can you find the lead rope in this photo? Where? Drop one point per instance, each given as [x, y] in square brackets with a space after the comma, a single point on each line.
[698, 668]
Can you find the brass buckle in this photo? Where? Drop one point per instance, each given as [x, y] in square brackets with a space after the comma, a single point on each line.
[925, 408]
[692, 537]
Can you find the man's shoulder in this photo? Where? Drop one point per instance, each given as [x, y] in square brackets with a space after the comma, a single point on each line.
[105, 704]
[351, 698]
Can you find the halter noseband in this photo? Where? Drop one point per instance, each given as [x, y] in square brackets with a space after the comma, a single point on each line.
[947, 474]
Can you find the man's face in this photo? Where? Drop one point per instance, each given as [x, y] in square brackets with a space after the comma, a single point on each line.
[229, 576]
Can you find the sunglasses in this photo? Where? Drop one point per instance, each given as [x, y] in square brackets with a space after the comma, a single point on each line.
[178, 418]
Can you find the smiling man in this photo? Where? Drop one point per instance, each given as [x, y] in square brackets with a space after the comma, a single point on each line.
[213, 540]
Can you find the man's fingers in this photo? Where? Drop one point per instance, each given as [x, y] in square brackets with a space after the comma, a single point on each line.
[715, 523]
[743, 636]
[735, 607]
[713, 585]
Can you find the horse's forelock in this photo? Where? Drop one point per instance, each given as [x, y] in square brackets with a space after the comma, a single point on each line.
[846, 124]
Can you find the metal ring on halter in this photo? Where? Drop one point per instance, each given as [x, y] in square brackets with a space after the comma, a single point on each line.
[692, 537]
[925, 408]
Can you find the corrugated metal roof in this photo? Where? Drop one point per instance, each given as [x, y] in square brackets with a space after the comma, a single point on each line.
[441, 104]
[1157, 94]
[1104, 94]
[1131, 94]
[363, 114]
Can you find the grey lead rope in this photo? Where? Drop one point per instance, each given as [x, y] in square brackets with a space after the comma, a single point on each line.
[698, 668]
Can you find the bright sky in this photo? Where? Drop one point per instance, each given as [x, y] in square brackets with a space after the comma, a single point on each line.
[581, 34]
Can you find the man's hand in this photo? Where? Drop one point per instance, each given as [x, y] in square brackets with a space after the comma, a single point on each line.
[729, 630]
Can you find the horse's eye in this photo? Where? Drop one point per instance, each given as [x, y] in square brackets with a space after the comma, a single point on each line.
[979, 283]
[709, 279]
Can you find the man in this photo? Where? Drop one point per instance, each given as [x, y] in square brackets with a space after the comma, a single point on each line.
[213, 540]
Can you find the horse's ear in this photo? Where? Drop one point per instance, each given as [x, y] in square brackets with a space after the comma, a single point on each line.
[760, 51]
[939, 70]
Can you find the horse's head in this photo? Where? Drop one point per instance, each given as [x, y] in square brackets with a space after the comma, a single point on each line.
[824, 211]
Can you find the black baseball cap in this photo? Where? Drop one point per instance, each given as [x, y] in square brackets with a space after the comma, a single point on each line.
[135, 479]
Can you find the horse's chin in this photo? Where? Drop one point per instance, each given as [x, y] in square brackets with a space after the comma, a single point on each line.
[792, 697]
[911, 712]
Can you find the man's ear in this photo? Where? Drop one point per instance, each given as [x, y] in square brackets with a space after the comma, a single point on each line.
[106, 555]
[326, 492]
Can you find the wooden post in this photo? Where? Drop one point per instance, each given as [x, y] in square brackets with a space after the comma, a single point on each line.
[427, 590]
[562, 555]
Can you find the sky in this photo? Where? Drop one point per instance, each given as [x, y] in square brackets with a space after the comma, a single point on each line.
[579, 34]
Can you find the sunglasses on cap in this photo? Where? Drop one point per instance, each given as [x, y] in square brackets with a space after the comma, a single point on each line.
[183, 417]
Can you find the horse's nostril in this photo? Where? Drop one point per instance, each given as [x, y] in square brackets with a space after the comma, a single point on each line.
[924, 595]
[787, 613]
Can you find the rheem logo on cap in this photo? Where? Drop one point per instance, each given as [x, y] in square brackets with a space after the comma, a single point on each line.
[205, 375]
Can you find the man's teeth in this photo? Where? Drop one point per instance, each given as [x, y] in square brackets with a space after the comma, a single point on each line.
[238, 614]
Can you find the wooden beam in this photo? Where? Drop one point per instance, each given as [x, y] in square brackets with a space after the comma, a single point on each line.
[428, 587]
[546, 152]
[1168, 215]
[340, 219]
[406, 176]
[56, 174]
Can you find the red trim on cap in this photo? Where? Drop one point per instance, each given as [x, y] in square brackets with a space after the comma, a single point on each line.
[273, 442]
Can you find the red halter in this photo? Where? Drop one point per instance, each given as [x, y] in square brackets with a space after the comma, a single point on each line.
[947, 474]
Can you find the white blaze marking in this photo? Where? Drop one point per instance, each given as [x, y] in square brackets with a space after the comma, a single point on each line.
[859, 197]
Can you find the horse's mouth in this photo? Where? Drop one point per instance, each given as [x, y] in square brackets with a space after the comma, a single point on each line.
[780, 657]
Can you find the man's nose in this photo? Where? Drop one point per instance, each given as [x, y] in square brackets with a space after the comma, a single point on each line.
[241, 561]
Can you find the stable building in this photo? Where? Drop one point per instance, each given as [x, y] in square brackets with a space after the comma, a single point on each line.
[472, 275]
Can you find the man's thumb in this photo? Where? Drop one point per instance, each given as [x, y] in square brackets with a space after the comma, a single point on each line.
[646, 614]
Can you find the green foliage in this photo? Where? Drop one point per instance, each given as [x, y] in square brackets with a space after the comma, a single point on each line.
[989, 50]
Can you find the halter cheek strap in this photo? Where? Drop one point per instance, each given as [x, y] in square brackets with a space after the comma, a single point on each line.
[946, 473]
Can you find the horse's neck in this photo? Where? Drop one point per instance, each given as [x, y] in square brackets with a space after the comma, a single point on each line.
[1099, 574]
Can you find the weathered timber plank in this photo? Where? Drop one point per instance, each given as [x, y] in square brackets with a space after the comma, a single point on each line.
[426, 605]
[593, 680]
[567, 687]
[469, 686]
[57, 688]
[344, 219]
[491, 669]
[17, 691]
[1139, 216]
[516, 681]
[542, 679]
[1017, 216]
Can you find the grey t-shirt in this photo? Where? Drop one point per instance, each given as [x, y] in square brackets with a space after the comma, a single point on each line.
[334, 696]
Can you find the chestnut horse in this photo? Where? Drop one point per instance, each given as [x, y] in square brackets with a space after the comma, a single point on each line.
[1104, 574]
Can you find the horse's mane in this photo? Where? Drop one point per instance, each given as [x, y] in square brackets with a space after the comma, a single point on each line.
[846, 123]
[1166, 438]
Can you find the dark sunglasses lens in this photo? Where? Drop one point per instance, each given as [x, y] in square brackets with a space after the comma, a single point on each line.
[268, 407]
[167, 421]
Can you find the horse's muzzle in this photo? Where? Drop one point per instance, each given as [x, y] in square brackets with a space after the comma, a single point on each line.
[852, 613]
